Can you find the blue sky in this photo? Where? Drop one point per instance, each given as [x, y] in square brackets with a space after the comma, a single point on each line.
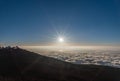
[83, 21]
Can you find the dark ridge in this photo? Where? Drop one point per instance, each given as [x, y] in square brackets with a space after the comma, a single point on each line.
[17, 64]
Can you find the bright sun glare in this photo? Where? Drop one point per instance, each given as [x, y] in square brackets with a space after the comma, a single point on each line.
[60, 39]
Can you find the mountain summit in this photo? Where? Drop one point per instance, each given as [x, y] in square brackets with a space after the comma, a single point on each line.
[17, 64]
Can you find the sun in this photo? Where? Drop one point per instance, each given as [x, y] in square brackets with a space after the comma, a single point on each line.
[61, 39]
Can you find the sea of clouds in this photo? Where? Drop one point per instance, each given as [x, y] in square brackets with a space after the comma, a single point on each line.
[108, 56]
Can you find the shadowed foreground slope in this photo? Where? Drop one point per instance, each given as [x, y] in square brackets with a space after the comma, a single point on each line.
[20, 65]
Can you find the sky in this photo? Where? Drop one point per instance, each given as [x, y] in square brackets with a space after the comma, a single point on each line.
[42, 21]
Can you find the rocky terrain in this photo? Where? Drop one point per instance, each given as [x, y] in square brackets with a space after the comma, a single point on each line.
[20, 65]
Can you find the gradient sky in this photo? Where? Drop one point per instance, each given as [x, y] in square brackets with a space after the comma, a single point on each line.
[38, 21]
